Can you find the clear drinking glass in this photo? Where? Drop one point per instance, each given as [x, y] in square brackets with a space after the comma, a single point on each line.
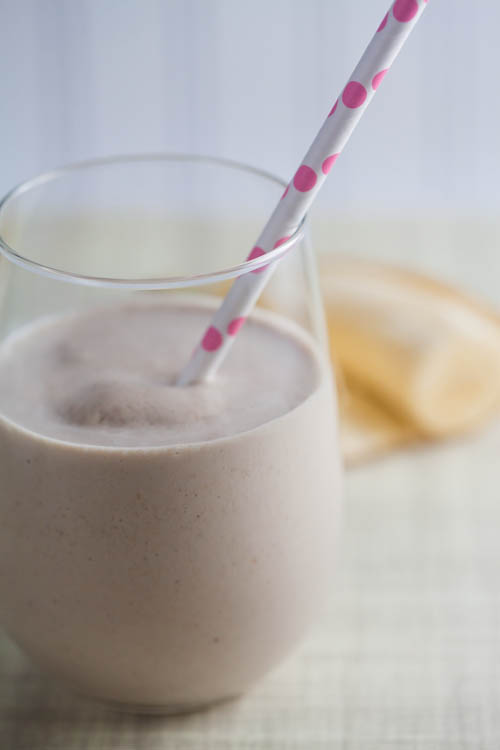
[157, 574]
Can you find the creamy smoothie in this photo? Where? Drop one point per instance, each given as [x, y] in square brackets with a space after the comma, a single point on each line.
[163, 547]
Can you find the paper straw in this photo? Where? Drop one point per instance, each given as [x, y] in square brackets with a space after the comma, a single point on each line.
[346, 112]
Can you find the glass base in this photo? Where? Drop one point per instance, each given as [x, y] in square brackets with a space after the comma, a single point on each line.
[167, 709]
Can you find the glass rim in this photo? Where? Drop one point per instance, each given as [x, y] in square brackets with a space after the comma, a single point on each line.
[171, 282]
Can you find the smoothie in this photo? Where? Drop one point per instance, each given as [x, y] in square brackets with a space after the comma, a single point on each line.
[163, 547]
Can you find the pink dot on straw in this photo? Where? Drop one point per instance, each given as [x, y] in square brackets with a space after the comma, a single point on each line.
[212, 339]
[404, 10]
[234, 326]
[383, 22]
[330, 113]
[354, 94]
[281, 241]
[256, 252]
[305, 179]
[378, 78]
[329, 162]
[286, 191]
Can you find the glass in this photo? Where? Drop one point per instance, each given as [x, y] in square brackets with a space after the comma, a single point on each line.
[157, 575]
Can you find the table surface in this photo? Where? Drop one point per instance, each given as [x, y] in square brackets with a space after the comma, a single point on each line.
[407, 656]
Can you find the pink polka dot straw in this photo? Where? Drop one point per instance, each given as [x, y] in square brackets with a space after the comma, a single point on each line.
[343, 117]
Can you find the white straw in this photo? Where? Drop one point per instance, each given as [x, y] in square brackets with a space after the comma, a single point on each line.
[305, 185]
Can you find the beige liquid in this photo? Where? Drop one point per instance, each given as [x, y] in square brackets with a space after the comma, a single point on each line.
[163, 547]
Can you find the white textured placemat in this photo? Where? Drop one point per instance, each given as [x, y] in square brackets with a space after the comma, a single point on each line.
[408, 655]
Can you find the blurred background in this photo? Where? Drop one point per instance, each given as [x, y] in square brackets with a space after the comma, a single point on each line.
[252, 82]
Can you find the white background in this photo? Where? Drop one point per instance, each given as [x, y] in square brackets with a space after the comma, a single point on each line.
[253, 81]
